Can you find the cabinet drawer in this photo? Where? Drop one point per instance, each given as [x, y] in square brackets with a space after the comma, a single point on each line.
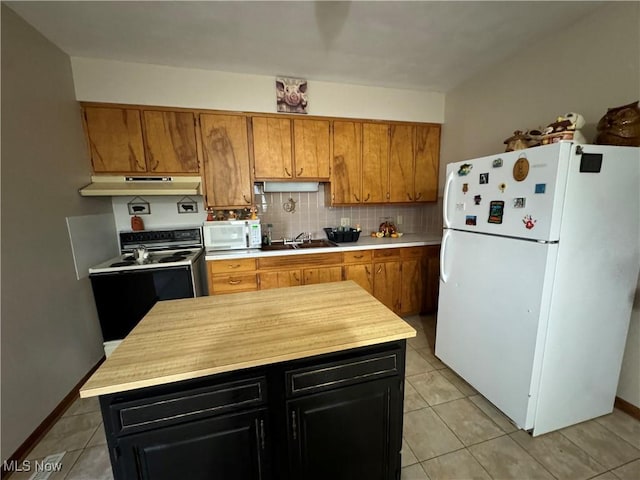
[413, 252]
[233, 283]
[391, 253]
[232, 266]
[300, 261]
[360, 256]
[180, 407]
[338, 374]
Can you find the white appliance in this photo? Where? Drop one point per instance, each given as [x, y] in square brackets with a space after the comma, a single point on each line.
[539, 265]
[232, 235]
[125, 288]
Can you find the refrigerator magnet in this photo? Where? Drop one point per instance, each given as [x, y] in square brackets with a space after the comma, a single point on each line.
[502, 187]
[497, 163]
[477, 199]
[470, 220]
[496, 211]
[521, 169]
[519, 202]
[465, 187]
[529, 222]
[464, 169]
[484, 178]
[541, 188]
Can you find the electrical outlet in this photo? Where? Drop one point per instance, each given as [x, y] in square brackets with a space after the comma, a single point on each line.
[399, 220]
[345, 221]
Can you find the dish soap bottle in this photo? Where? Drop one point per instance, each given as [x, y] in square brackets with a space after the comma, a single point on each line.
[269, 238]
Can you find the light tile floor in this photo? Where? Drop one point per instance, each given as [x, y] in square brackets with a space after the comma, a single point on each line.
[450, 432]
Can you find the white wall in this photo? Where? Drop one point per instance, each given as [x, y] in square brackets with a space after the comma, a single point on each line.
[122, 82]
[593, 65]
[50, 332]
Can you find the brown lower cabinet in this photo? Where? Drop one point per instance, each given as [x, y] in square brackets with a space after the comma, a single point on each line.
[336, 416]
[404, 279]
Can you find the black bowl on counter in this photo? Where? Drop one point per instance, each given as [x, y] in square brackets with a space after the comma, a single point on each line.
[346, 235]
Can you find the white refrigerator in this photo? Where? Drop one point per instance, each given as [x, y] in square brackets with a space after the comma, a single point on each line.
[538, 270]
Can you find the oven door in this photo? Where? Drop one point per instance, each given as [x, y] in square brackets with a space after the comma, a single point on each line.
[123, 298]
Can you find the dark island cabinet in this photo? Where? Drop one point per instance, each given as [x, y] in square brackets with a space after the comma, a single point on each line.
[333, 416]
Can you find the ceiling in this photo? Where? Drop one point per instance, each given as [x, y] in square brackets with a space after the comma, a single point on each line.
[419, 45]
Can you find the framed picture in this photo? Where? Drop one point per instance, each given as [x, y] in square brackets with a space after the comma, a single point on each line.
[139, 206]
[291, 95]
[187, 205]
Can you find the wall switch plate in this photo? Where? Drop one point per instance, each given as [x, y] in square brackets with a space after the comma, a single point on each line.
[399, 220]
[345, 221]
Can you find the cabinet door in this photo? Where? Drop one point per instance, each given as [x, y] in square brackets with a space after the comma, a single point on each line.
[432, 276]
[229, 446]
[401, 171]
[375, 162]
[171, 142]
[427, 161]
[348, 433]
[346, 173]
[322, 275]
[361, 274]
[272, 148]
[115, 140]
[412, 286]
[225, 148]
[288, 278]
[311, 148]
[386, 284]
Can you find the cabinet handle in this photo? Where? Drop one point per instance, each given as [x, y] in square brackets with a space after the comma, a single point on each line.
[366, 269]
[356, 197]
[235, 265]
[300, 172]
[235, 282]
[245, 199]
[287, 172]
[358, 256]
[294, 426]
[379, 269]
[295, 277]
[262, 434]
[368, 197]
[387, 195]
[418, 195]
[409, 196]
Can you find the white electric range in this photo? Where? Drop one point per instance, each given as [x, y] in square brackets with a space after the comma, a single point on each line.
[125, 289]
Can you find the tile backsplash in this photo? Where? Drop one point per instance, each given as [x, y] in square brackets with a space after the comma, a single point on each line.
[311, 214]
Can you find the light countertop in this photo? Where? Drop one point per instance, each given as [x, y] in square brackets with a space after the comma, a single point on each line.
[365, 242]
[195, 337]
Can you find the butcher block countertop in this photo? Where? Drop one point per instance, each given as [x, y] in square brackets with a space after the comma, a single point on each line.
[195, 337]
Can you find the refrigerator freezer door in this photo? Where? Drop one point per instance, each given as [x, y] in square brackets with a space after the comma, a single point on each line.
[492, 312]
[516, 194]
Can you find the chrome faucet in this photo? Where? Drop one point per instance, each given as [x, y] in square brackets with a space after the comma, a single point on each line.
[302, 234]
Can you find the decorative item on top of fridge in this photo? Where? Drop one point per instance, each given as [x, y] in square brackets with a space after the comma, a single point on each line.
[620, 126]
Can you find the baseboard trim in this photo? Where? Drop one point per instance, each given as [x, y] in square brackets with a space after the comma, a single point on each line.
[628, 408]
[32, 440]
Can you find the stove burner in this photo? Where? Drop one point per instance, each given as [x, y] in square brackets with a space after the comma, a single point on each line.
[182, 253]
[172, 258]
[124, 263]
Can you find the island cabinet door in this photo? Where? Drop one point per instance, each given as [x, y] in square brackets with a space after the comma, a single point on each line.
[347, 433]
[229, 446]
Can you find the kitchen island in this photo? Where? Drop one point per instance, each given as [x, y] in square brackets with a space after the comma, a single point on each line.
[301, 382]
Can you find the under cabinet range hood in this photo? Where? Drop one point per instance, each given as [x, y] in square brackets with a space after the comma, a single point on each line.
[290, 187]
[107, 185]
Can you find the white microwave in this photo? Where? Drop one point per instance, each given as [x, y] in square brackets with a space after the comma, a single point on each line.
[232, 235]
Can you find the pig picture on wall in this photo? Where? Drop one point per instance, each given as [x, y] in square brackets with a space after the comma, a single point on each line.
[291, 95]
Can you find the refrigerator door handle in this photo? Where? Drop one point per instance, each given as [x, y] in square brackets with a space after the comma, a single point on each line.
[445, 200]
[444, 278]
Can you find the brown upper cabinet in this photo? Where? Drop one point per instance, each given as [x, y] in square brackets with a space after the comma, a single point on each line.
[290, 149]
[138, 141]
[226, 172]
[377, 162]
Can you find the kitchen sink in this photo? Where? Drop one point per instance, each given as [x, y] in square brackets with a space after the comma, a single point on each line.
[318, 243]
